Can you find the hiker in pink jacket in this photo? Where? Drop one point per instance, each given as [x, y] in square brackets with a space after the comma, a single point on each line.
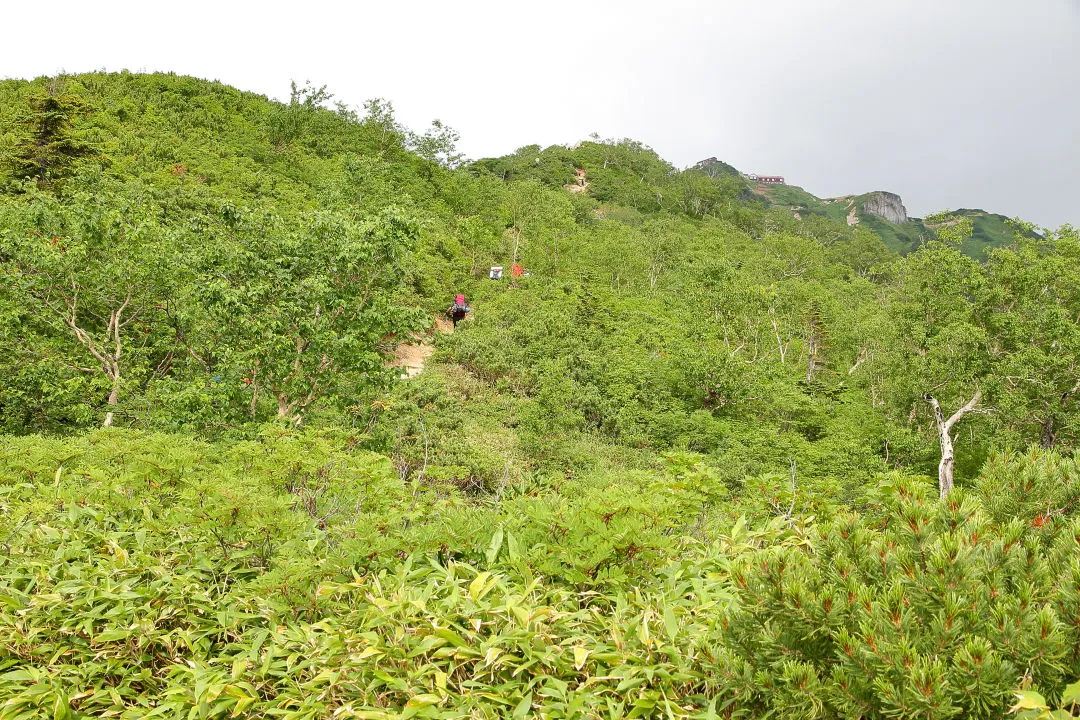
[458, 309]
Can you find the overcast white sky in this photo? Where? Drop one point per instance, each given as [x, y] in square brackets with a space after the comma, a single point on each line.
[950, 103]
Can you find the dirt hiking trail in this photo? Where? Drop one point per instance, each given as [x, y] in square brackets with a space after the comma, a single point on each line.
[411, 356]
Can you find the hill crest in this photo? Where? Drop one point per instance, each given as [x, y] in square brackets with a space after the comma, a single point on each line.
[884, 214]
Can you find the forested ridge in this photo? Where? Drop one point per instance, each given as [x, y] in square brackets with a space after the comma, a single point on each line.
[705, 459]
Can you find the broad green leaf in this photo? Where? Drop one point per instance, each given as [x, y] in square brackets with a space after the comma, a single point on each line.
[1029, 700]
[478, 587]
[580, 655]
[492, 552]
[671, 624]
[1071, 694]
[453, 637]
[521, 711]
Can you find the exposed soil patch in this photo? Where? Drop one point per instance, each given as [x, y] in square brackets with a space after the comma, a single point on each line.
[412, 356]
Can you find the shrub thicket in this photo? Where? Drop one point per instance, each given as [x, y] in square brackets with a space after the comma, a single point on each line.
[684, 467]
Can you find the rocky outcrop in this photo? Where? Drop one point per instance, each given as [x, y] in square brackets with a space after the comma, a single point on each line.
[853, 215]
[885, 205]
[715, 168]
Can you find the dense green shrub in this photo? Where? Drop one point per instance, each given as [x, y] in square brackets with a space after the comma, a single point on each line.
[935, 611]
[1038, 487]
[681, 468]
[120, 594]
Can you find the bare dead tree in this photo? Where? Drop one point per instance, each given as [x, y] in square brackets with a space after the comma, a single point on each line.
[944, 430]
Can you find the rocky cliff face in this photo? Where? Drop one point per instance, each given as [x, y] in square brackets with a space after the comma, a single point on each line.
[885, 205]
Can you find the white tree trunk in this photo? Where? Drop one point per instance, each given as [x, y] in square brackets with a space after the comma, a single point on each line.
[814, 342]
[517, 247]
[114, 396]
[944, 429]
[947, 463]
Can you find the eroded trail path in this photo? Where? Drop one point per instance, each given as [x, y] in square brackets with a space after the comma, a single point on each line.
[412, 356]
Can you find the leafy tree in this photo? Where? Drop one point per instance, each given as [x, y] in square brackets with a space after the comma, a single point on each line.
[695, 193]
[290, 122]
[49, 143]
[385, 136]
[294, 307]
[88, 272]
[438, 144]
[939, 351]
[539, 217]
[1032, 304]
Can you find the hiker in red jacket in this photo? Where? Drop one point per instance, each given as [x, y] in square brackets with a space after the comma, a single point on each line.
[458, 309]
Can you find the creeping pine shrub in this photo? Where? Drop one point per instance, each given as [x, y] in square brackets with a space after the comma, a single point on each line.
[936, 612]
[1039, 487]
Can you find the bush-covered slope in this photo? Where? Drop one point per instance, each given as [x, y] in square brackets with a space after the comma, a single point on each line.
[696, 462]
[151, 575]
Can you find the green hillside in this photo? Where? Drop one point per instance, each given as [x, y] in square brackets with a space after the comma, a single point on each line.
[716, 168]
[903, 238]
[989, 230]
[793, 196]
[687, 465]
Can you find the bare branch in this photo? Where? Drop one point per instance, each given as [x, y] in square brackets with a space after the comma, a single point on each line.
[968, 407]
[779, 342]
[791, 508]
[858, 361]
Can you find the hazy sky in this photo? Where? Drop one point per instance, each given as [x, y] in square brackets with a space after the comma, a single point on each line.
[950, 103]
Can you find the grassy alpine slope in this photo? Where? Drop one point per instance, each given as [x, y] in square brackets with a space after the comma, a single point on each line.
[687, 467]
[988, 231]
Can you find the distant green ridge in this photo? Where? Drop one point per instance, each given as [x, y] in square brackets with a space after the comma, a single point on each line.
[990, 230]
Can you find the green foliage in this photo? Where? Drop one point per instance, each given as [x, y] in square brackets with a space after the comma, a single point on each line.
[933, 308]
[908, 620]
[49, 144]
[1031, 304]
[678, 469]
[85, 273]
[297, 311]
[174, 279]
[1039, 487]
[254, 578]
[1031, 705]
